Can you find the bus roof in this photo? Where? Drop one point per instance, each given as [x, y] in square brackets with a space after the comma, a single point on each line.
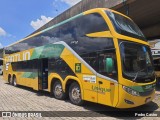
[52, 26]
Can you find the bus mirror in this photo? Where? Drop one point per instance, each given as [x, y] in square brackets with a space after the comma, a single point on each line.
[109, 65]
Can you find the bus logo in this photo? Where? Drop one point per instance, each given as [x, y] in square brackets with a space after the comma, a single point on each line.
[78, 67]
[6, 114]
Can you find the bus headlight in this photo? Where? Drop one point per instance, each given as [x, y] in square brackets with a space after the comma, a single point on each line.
[131, 91]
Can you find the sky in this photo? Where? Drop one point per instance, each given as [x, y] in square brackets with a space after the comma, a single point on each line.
[19, 18]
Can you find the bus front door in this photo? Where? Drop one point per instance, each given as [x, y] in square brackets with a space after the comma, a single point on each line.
[107, 84]
[43, 74]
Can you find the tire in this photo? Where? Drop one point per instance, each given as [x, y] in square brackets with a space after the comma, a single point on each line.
[58, 91]
[75, 94]
[14, 81]
[10, 80]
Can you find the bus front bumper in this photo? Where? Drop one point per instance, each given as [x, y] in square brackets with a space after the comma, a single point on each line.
[127, 100]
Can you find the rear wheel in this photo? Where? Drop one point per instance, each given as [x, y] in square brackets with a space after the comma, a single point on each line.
[10, 79]
[75, 94]
[14, 81]
[58, 91]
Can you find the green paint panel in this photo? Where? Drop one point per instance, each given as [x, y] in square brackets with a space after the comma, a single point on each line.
[37, 52]
[47, 51]
[32, 75]
[137, 88]
[143, 88]
[52, 50]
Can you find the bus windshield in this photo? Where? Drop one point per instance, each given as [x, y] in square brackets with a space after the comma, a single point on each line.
[136, 62]
[125, 26]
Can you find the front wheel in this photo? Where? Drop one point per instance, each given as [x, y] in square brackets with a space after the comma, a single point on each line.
[75, 94]
[58, 91]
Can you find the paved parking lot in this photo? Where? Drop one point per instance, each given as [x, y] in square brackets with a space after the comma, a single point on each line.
[25, 99]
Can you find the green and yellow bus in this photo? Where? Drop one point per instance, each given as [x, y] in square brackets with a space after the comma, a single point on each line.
[99, 56]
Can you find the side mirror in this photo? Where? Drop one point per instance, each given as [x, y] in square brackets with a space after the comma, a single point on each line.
[109, 65]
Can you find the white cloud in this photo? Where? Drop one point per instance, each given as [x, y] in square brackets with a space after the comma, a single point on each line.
[40, 22]
[2, 32]
[1, 46]
[71, 2]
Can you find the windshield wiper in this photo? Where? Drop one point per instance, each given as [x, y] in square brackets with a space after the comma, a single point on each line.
[138, 73]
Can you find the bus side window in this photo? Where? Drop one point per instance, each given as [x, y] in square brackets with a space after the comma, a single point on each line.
[108, 64]
[92, 23]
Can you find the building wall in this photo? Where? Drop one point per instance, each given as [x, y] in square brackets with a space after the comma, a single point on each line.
[81, 7]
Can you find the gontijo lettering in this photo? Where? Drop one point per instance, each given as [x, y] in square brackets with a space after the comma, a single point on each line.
[18, 57]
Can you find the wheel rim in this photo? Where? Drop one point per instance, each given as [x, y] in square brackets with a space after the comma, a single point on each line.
[76, 95]
[10, 82]
[58, 90]
[14, 83]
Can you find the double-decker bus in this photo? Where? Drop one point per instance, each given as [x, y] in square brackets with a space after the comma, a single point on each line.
[99, 56]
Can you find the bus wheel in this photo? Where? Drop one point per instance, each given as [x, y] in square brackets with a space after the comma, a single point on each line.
[14, 81]
[75, 94]
[58, 91]
[10, 80]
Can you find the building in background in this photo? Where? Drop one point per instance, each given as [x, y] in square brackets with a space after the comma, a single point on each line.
[155, 48]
